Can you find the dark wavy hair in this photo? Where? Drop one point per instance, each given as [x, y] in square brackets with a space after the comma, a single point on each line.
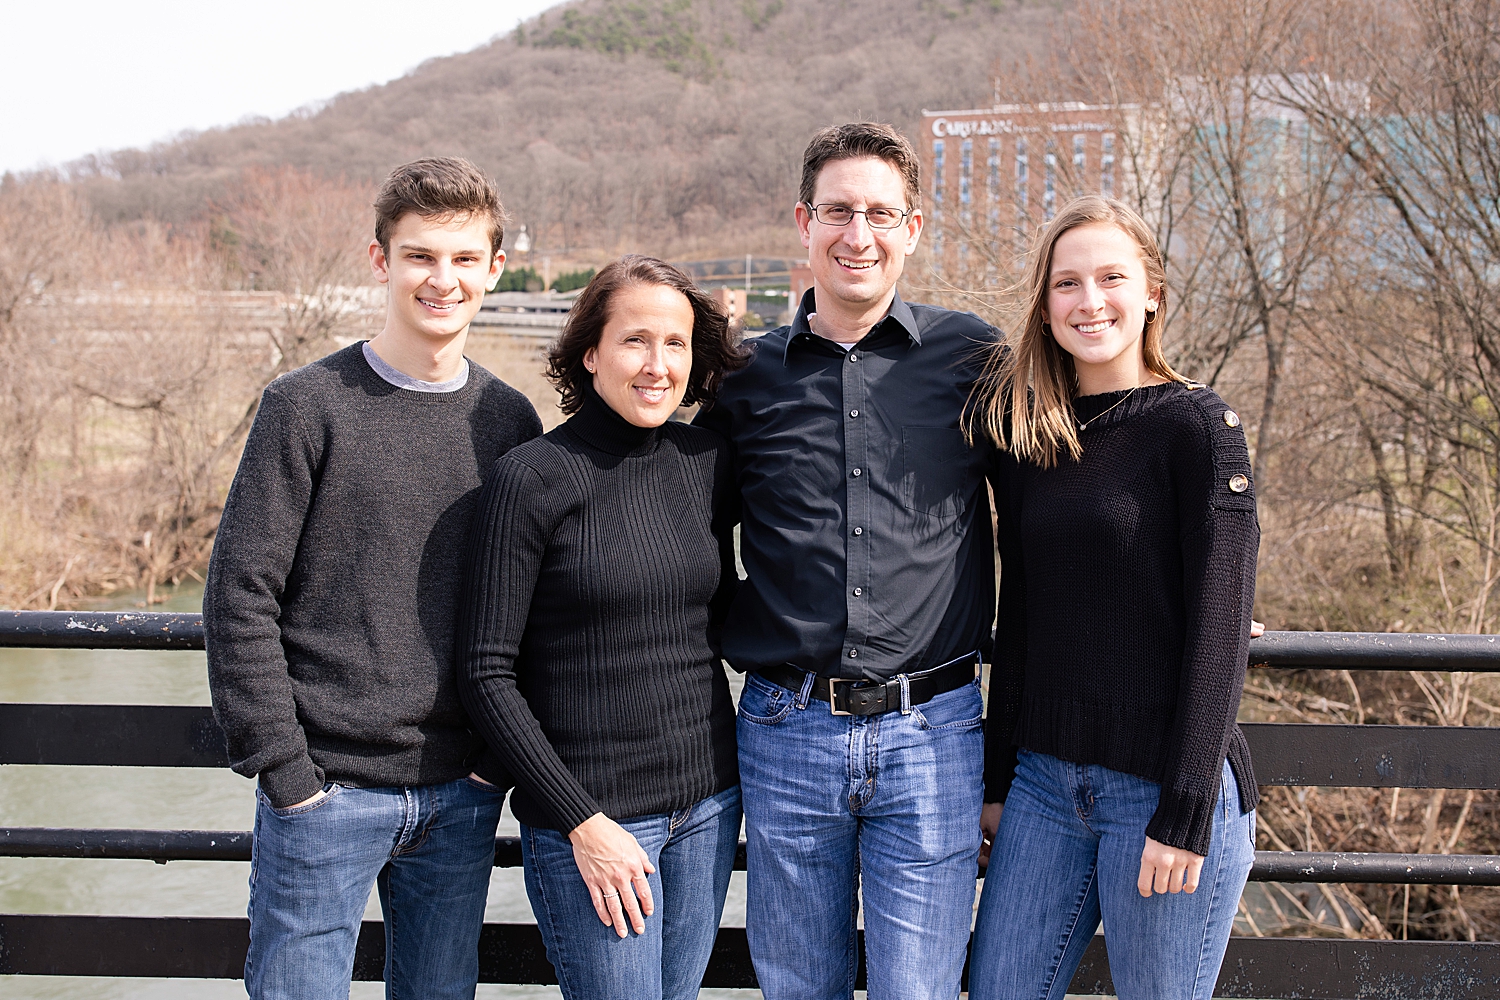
[716, 349]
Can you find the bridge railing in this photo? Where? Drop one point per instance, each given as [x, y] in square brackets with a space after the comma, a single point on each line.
[1368, 756]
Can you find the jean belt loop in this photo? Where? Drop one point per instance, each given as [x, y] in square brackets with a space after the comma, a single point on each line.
[905, 682]
[804, 695]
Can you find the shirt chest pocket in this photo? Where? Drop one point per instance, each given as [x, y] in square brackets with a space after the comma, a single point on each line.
[935, 470]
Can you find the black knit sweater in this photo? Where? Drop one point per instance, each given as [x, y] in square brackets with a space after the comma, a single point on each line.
[585, 657]
[1124, 615]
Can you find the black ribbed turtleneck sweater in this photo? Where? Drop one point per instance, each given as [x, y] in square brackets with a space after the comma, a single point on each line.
[1124, 617]
[584, 653]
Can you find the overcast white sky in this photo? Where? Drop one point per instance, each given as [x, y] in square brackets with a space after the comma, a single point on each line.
[86, 76]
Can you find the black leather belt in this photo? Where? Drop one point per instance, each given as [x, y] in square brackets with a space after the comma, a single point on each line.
[851, 696]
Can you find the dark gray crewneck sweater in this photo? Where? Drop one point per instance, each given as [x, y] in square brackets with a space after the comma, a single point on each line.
[331, 595]
[584, 653]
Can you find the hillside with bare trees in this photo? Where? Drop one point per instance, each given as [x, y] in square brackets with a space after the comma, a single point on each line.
[670, 125]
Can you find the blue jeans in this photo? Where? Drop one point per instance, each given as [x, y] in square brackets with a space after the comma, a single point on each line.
[1069, 850]
[430, 849]
[837, 807]
[692, 850]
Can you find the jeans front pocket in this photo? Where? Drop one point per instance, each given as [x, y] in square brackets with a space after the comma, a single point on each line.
[483, 786]
[764, 703]
[286, 812]
[959, 709]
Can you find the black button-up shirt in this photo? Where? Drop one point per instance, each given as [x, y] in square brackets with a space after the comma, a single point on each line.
[864, 518]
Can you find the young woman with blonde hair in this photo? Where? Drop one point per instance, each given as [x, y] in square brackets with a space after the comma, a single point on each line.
[1116, 781]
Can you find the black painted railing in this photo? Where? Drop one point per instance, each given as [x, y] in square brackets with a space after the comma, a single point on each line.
[1366, 756]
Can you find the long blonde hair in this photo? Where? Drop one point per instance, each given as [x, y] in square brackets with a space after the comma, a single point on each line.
[1024, 399]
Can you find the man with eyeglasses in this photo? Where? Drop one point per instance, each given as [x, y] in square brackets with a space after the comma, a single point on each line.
[869, 591]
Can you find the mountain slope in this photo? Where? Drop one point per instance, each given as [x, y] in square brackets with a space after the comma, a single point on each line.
[612, 123]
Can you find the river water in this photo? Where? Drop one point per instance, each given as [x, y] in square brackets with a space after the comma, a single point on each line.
[164, 798]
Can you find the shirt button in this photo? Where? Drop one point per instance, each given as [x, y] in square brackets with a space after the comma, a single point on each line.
[1231, 418]
[853, 357]
[859, 531]
[1238, 484]
[853, 413]
[856, 473]
[853, 653]
[858, 591]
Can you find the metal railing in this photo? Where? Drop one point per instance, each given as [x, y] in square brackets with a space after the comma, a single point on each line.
[1368, 756]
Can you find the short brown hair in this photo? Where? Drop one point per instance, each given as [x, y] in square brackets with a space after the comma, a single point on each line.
[716, 349]
[1025, 398]
[438, 187]
[859, 139]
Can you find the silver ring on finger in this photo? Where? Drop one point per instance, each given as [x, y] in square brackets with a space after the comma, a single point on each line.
[611, 895]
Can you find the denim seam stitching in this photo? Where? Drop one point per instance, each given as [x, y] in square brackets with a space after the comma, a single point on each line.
[1072, 929]
[541, 888]
[1213, 899]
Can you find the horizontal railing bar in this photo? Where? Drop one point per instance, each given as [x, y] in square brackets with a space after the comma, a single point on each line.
[214, 948]
[1284, 753]
[1316, 650]
[234, 845]
[1377, 651]
[1394, 869]
[101, 630]
[111, 735]
[1374, 756]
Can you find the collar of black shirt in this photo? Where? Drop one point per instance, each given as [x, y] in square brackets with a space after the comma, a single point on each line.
[599, 426]
[898, 316]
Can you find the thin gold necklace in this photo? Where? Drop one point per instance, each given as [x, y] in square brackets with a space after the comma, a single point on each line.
[1083, 425]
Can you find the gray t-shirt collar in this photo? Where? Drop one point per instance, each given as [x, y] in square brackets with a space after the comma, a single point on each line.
[401, 380]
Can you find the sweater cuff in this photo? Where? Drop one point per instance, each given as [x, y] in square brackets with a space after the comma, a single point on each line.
[292, 782]
[571, 814]
[1184, 820]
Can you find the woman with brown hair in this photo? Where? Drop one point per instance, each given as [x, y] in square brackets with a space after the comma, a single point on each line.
[585, 653]
[1117, 783]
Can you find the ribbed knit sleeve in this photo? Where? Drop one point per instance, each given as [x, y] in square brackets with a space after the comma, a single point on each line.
[518, 513]
[726, 515]
[1220, 540]
[1008, 669]
[247, 665]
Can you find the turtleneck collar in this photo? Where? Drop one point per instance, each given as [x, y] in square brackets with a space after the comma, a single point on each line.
[600, 427]
[1110, 408]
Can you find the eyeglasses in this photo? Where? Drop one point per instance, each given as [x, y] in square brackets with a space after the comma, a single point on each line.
[842, 215]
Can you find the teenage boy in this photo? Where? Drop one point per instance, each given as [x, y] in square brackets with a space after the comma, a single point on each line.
[330, 610]
[865, 536]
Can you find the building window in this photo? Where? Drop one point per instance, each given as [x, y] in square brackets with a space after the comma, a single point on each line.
[1078, 163]
[965, 177]
[1022, 180]
[992, 188]
[1107, 167]
[939, 163]
[1049, 189]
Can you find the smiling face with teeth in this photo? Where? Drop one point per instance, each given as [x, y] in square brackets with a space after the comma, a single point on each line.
[854, 267]
[435, 274]
[1097, 298]
[644, 357]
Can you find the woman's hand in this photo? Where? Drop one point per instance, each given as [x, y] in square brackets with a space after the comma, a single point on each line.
[1168, 869]
[614, 868]
[989, 825]
[1257, 629]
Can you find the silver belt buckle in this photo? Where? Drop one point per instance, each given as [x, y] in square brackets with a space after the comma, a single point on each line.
[833, 697]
